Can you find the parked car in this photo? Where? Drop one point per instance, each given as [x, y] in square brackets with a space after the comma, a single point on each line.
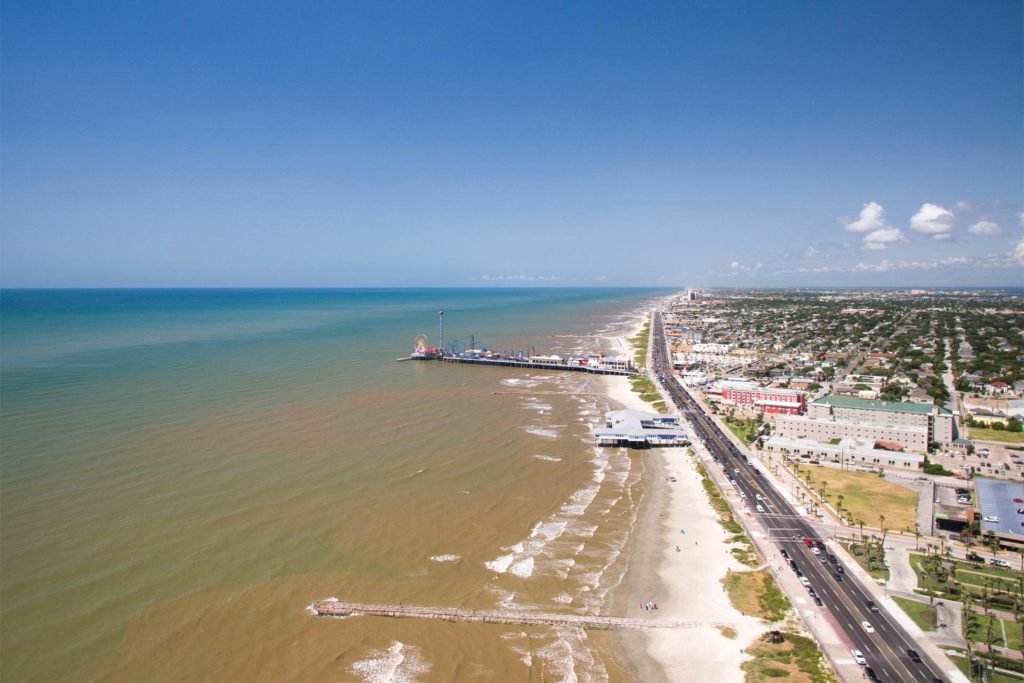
[858, 657]
[872, 606]
[914, 657]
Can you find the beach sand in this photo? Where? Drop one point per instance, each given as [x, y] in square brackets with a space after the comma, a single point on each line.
[685, 584]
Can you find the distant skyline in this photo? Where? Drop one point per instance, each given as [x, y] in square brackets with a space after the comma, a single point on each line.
[474, 144]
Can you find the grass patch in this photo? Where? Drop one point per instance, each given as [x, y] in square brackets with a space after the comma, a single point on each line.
[728, 631]
[746, 553]
[755, 593]
[870, 555]
[866, 496]
[963, 664]
[954, 578]
[924, 616]
[796, 658]
[1000, 435]
[648, 392]
[640, 342]
[745, 430]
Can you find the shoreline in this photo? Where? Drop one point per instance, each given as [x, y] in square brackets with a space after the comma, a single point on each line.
[685, 584]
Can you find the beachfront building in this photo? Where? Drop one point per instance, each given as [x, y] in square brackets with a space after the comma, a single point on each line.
[639, 429]
[768, 400]
[910, 425]
[847, 452]
[617, 363]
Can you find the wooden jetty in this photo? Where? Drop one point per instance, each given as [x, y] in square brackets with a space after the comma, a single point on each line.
[336, 608]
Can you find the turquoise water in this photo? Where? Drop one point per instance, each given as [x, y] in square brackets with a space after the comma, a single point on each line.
[167, 453]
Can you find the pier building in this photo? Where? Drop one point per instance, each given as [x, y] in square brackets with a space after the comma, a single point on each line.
[639, 429]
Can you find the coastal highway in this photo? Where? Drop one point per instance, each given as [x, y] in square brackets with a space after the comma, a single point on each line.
[845, 601]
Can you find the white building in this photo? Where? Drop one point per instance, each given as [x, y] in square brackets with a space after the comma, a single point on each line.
[847, 451]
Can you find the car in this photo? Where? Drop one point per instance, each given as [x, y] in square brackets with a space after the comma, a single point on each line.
[872, 606]
[832, 559]
[809, 542]
[818, 602]
[1002, 564]
[805, 582]
[759, 497]
[839, 568]
[991, 518]
[866, 625]
[914, 657]
[837, 577]
[792, 563]
[858, 657]
[760, 508]
[822, 559]
[815, 551]
[735, 470]
[870, 673]
[784, 553]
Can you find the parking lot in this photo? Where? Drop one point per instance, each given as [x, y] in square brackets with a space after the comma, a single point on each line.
[1002, 461]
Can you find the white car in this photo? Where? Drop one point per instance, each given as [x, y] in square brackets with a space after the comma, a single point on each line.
[991, 518]
[867, 626]
[760, 508]
[815, 550]
[759, 497]
[804, 582]
[858, 657]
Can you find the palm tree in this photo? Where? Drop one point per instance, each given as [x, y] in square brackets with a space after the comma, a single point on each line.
[917, 535]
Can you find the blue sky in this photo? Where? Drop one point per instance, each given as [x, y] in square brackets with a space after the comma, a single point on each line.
[322, 144]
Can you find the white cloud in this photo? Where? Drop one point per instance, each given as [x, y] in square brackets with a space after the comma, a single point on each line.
[882, 238]
[964, 205]
[985, 229]
[933, 220]
[870, 219]
[737, 267]
[1018, 252]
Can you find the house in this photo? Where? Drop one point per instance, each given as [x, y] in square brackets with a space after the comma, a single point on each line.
[997, 388]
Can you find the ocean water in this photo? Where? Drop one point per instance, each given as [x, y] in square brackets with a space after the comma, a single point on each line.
[184, 471]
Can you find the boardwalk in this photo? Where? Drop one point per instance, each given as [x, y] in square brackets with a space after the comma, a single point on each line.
[337, 608]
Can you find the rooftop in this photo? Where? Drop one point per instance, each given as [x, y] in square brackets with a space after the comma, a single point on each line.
[640, 427]
[893, 406]
[996, 499]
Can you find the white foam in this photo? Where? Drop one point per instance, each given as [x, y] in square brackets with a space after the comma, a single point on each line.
[400, 663]
[445, 558]
[547, 458]
[541, 431]
[523, 568]
[501, 564]
[563, 598]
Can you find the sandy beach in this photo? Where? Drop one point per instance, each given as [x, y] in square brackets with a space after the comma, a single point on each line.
[684, 583]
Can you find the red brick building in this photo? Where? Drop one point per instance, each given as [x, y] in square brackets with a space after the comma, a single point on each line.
[764, 399]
